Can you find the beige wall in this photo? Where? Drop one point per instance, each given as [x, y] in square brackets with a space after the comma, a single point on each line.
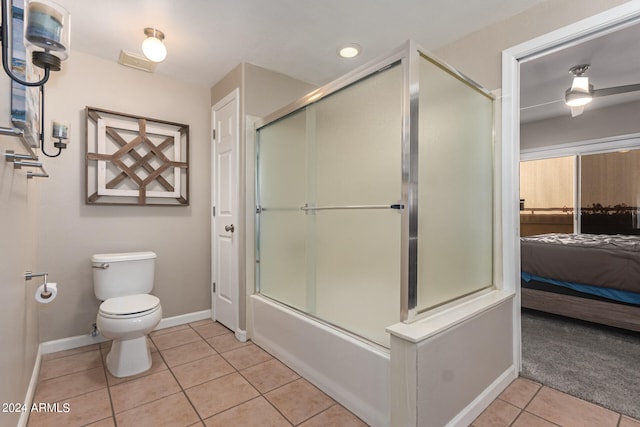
[71, 231]
[479, 55]
[18, 309]
[267, 91]
[262, 91]
[228, 83]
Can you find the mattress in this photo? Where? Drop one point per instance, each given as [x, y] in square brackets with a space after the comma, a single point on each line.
[611, 261]
[599, 293]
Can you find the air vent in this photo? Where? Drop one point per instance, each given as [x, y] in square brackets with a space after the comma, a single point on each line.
[136, 61]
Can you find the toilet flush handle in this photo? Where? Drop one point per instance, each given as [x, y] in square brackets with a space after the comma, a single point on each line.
[103, 266]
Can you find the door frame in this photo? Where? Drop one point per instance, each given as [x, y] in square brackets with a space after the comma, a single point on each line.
[592, 27]
[240, 331]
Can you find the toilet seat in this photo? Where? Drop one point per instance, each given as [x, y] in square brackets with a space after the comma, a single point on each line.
[129, 306]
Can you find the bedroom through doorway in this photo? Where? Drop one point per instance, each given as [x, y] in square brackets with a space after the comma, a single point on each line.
[579, 212]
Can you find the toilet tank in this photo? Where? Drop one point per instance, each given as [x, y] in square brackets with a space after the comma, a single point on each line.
[121, 274]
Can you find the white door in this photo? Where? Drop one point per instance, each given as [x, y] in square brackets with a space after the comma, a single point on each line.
[224, 226]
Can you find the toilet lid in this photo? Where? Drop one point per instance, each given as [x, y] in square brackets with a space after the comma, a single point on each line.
[129, 304]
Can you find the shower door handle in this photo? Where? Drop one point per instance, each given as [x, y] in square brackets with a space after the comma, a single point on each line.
[230, 228]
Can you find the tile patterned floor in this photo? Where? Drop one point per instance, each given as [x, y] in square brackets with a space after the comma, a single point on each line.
[202, 376]
[528, 404]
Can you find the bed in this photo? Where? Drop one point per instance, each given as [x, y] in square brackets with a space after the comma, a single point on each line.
[592, 277]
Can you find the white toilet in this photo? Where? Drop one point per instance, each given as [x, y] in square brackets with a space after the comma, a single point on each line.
[128, 313]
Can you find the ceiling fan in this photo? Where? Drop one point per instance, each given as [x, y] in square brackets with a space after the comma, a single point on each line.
[582, 92]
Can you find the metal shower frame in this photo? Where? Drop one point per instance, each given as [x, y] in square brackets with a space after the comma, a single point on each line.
[408, 56]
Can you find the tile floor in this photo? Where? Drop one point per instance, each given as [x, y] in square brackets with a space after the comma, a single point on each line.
[202, 376]
[528, 404]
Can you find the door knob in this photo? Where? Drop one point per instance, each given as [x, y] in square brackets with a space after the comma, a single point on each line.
[229, 228]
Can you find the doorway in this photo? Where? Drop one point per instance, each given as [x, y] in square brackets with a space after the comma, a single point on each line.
[606, 22]
[514, 59]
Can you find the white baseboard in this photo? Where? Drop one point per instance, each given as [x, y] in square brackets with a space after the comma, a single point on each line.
[31, 391]
[241, 335]
[482, 401]
[70, 342]
[184, 318]
[83, 340]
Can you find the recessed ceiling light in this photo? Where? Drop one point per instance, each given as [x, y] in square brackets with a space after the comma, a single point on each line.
[350, 50]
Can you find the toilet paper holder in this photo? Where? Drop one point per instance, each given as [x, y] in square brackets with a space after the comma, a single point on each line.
[28, 275]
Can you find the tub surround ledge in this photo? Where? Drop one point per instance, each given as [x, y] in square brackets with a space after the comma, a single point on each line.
[449, 316]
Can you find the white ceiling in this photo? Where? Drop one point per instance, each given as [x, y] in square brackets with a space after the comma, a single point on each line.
[614, 60]
[205, 39]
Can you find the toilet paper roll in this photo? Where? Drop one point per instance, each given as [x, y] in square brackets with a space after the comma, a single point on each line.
[42, 299]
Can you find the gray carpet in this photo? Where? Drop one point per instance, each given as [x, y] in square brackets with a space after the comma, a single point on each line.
[592, 362]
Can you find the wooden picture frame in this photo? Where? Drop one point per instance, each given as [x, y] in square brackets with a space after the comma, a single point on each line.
[133, 160]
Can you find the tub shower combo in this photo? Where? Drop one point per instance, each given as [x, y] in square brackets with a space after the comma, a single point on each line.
[374, 207]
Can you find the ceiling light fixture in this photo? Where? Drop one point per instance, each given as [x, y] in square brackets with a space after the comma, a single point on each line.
[350, 50]
[152, 46]
[581, 92]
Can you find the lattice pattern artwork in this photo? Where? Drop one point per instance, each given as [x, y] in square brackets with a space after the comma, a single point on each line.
[135, 160]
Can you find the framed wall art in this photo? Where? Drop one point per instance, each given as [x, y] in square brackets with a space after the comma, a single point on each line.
[133, 160]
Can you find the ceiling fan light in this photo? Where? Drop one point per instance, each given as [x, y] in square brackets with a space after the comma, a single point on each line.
[580, 83]
[577, 99]
[576, 111]
[580, 94]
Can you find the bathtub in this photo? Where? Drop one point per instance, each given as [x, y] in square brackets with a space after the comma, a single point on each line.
[354, 373]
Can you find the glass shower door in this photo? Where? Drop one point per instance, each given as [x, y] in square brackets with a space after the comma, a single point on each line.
[329, 196]
[358, 153]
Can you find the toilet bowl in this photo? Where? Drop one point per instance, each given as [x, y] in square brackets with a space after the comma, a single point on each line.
[127, 313]
[127, 321]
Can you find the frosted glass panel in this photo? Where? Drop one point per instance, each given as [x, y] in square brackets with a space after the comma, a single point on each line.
[341, 264]
[282, 167]
[359, 142]
[283, 257]
[282, 187]
[358, 152]
[455, 190]
[358, 270]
